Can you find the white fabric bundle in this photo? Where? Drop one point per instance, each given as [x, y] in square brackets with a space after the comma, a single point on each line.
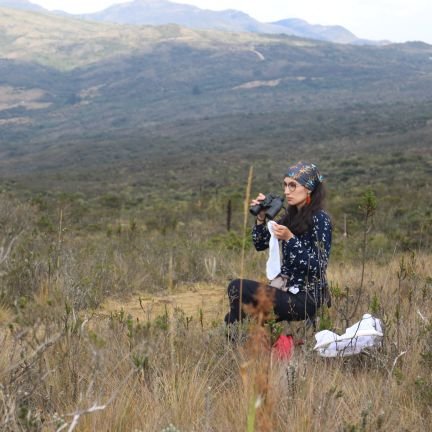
[364, 334]
[273, 267]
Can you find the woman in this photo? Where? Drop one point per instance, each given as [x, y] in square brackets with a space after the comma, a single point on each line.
[305, 232]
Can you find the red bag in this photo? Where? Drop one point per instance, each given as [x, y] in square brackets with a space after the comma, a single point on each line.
[283, 349]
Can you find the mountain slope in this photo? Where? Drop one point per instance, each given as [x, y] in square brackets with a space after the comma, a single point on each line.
[158, 12]
[161, 12]
[152, 72]
[70, 94]
[66, 43]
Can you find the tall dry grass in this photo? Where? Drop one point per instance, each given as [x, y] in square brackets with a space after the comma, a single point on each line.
[64, 367]
[123, 374]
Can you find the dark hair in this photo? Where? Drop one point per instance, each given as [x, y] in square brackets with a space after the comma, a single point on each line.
[300, 221]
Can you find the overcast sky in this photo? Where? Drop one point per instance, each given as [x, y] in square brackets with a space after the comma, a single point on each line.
[395, 20]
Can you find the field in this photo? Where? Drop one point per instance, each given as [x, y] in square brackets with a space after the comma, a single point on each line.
[124, 157]
[122, 330]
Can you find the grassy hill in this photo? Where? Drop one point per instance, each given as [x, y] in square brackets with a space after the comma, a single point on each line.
[110, 78]
[66, 43]
[127, 112]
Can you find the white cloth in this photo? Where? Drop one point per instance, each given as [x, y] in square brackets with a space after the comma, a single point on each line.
[364, 334]
[273, 267]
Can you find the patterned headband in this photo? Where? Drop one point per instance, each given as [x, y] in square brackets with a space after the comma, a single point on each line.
[306, 174]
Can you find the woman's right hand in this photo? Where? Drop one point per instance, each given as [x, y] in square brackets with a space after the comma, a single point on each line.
[262, 214]
[260, 198]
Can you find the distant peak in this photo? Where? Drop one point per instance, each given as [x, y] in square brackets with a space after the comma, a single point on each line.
[21, 4]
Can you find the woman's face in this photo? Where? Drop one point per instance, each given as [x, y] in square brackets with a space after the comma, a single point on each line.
[295, 193]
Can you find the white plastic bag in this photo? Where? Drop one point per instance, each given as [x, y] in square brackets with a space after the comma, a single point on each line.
[364, 334]
[273, 267]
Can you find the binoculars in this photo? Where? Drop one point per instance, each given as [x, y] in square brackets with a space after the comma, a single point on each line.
[271, 204]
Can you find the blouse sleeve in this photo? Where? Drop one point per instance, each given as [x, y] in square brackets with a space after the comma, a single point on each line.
[311, 256]
[261, 237]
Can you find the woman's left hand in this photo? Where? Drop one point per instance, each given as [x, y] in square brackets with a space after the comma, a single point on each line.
[282, 232]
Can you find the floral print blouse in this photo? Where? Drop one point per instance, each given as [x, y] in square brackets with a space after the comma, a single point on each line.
[304, 257]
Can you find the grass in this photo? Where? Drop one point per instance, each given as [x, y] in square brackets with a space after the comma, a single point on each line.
[204, 387]
[66, 365]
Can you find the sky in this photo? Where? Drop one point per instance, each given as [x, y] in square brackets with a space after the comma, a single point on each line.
[395, 20]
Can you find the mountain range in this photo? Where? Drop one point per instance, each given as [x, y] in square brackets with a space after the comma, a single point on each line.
[158, 12]
[161, 12]
[87, 100]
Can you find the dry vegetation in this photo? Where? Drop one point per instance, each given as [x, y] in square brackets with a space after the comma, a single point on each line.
[64, 365]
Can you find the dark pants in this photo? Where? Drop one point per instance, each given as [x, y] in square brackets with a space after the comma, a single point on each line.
[286, 306]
